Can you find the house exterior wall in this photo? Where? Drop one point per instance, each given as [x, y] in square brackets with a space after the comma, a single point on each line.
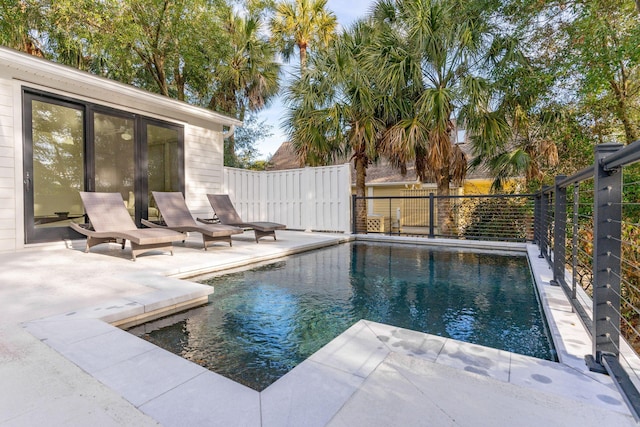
[203, 158]
[8, 199]
[203, 138]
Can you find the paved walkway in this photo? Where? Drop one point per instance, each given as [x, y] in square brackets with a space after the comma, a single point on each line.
[60, 365]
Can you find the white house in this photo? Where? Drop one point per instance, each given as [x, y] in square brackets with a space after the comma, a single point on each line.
[63, 130]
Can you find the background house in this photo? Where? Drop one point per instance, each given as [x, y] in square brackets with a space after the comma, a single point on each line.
[63, 130]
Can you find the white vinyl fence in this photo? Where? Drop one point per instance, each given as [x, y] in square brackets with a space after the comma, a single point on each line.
[311, 199]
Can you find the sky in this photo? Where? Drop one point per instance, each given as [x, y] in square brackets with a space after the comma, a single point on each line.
[347, 11]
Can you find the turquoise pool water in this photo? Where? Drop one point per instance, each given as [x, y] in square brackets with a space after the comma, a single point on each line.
[260, 323]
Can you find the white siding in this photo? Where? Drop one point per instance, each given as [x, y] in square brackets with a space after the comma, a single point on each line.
[305, 199]
[7, 168]
[203, 168]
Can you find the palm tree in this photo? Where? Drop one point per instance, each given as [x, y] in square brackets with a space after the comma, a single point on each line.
[333, 111]
[248, 78]
[302, 23]
[425, 53]
[514, 131]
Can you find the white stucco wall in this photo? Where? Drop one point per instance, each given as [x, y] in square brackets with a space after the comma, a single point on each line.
[203, 141]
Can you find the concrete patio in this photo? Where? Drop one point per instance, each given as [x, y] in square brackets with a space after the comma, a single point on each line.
[63, 363]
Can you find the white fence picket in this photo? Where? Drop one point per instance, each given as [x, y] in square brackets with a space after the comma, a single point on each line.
[312, 199]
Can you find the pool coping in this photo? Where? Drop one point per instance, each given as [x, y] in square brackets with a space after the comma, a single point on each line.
[322, 385]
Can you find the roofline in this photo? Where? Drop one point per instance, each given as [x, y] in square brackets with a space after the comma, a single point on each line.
[31, 66]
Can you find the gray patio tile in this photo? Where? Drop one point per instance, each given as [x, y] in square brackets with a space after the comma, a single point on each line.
[475, 358]
[44, 389]
[107, 311]
[356, 351]
[208, 399]
[72, 411]
[60, 333]
[564, 381]
[163, 299]
[408, 342]
[98, 353]
[308, 396]
[475, 400]
[404, 403]
[146, 376]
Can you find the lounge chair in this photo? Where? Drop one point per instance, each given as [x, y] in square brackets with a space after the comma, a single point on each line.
[110, 222]
[176, 216]
[227, 214]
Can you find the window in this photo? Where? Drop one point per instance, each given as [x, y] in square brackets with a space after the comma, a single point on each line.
[73, 146]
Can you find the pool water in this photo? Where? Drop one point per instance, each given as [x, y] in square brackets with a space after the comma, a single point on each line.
[261, 323]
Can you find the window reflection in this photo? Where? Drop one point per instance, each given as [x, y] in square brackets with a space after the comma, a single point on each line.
[164, 161]
[114, 157]
[58, 163]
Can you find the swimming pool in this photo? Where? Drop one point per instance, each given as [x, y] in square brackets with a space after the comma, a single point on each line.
[260, 323]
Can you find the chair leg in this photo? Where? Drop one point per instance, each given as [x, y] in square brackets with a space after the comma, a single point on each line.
[260, 234]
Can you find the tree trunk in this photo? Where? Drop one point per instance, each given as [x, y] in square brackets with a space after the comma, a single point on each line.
[361, 204]
[230, 158]
[619, 89]
[303, 57]
[444, 214]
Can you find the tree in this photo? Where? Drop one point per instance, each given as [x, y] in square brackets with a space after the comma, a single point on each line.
[20, 20]
[332, 110]
[178, 43]
[245, 140]
[563, 77]
[248, 77]
[592, 49]
[604, 51]
[301, 24]
[425, 53]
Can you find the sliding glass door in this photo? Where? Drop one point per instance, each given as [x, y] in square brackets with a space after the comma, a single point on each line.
[72, 146]
[164, 164]
[54, 168]
[114, 156]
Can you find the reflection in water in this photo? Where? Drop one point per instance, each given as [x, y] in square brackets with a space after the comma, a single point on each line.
[262, 322]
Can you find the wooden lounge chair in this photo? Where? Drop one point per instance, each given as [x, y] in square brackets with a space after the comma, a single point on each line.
[110, 222]
[227, 214]
[176, 216]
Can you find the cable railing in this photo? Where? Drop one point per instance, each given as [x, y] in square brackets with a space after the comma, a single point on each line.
[588, 228]
[474, 217]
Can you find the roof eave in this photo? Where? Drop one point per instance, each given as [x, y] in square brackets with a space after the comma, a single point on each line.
[31, 66]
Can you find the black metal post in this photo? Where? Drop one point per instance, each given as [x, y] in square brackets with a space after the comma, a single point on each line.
[354, 227]
[544, 207]
[574, 251]
[607, 215]
[536, 218]
[559, 232]
[431, 215]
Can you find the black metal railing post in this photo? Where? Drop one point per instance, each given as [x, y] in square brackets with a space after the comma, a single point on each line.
[607, 215]
[574, 241]
[354, 226]
[544, 207]
[537, 206]
[431, 215]
[559, 231]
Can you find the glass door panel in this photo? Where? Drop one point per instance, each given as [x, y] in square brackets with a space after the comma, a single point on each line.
[164, 155]
[54, 168]
[114, 150]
